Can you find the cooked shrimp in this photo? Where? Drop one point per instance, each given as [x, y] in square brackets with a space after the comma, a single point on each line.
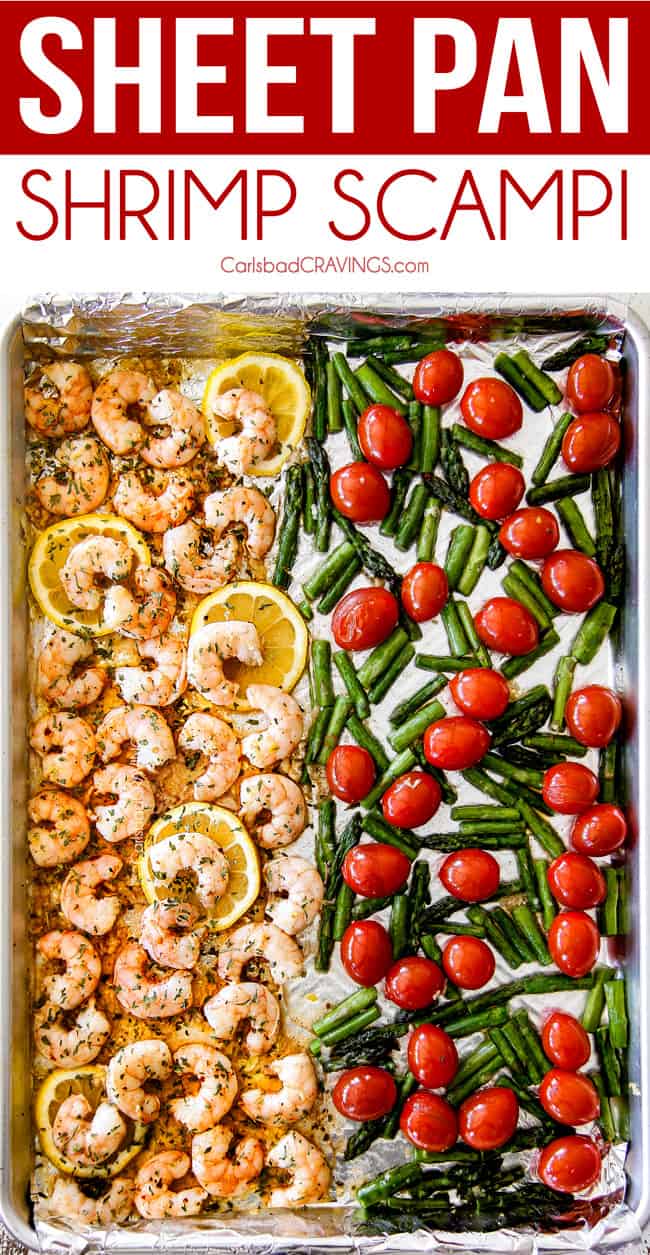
[163, 934]
[59, 679]
[307, 1168]
[113, 1207]
[283, 726]
[94, 556]
[66, 744]
[133, 1067]
[85, 1136]
[153, 1197]
[295, 1098]
[83, 968]
[144, 727]
[160, 684]
[60, 830]
[146, 609]
[135, 804]
[184, 430]
[298, 879]
[247, 507]
[79, 902]
[260, 941]
[195, 561]
[71, 1047]
[75, 478]
[119, 406]
[59, 402]
[215, 740]
[191, 852]
[245, 1002]
[257, 434]
[209, 646]
[220, 1176]
[144, 996]
[217, 1087]
[279, 801]
[152, 501]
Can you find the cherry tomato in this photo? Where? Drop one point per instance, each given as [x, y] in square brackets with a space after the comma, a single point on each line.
[497, 490]
[414, 982]
[573, 581]
[480, 692]
[350, 772]
[530, 533]
[591, 383]
[364, 1093]
[565, 1041]
[488, 1118]
[574, 880]
[470, 875]
[429, 1121]
[569, 788]
[590, 442]
[468, 962]
[569, 1097]
[385, 437]
[366, 952]
[507, 626]
[574, 941]
[375, 870]
[491, 408]
[412, 800]
[599, 830]
[593, 715]
[360, 492]
[364, 618]
[570, 1164]
[456, 742]
[432, 1056]
[438, 377]
[424, 591]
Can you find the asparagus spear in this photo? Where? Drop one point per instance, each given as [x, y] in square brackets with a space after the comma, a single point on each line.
[365, 738]
[546, 386]
[349, 412]
[556, 489]
[565, 357]
[416, 725]
[329, 570]
[476, 561]
[350, 382]
[346, 670]
[575, 525]
[392, 377]
[399, 490]
[513, 667]
[411, 705]
[485, 448]
[321, 472]
[360, 1000]
[373, 1045]
[593, 631]
[376, 389]
[456, 635]
[460, 546]
[337, 720]
[399, 765]
[348, 838]
[429, 532]
[325, 836]
[475, 642]
[289, 529]
[453, 467]
[528, 391]
[549, 909]
[412, 517]
[429, 437]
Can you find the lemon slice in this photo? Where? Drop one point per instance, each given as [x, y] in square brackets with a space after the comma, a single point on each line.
[226, 830]
[89, 1081]
[49, 554]
[285, 390]
[280, 626]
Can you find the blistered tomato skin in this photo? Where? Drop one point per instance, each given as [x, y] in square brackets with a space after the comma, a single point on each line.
[480, 692]
[565, 1041]
[491, 408]
[429, 1121]
[570, 788]
[572, 581]
[507, 627]
[350, 773]
[432, 1056]
[599, 830]
[591, 383]
[497, 490]
[366, 952]
[412, 800]
[530, 533]
[593, 715]
[455, 743]
[360, 492]
[364, 1093]
[374, 870]
[424, 591]
[576, 881]
[364, 618]
[470, 875]
[385, 437]
[414, 982]
[438, 377]
[570, 1164]
[468, 962]
[574, 942]
[488, 1118]
[591, 442]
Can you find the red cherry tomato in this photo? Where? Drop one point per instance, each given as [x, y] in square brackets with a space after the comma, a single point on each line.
[569, 1097]
[364, 618]
[456, 742]
[429, 1121]
[593, 715]
[385, 437]
[491, 408]
[424, 591]
[480, 692]
[599, 830]
[414, 982]
[507, 626]
[575, 881]
[375, 870]
[488, 1118]
[432, 1056]
[470, 875]
[573, 581]
[590, 442]
[497, 490]
[438, 377]
[569, 788]
[530, 533]
[366, 952]
[570, 1164]
[574, 942]
[412, 800]
[360, 492]
[364, 1093]
[350, 772]
[468, 962]
[591, 383]
[565, 1041]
